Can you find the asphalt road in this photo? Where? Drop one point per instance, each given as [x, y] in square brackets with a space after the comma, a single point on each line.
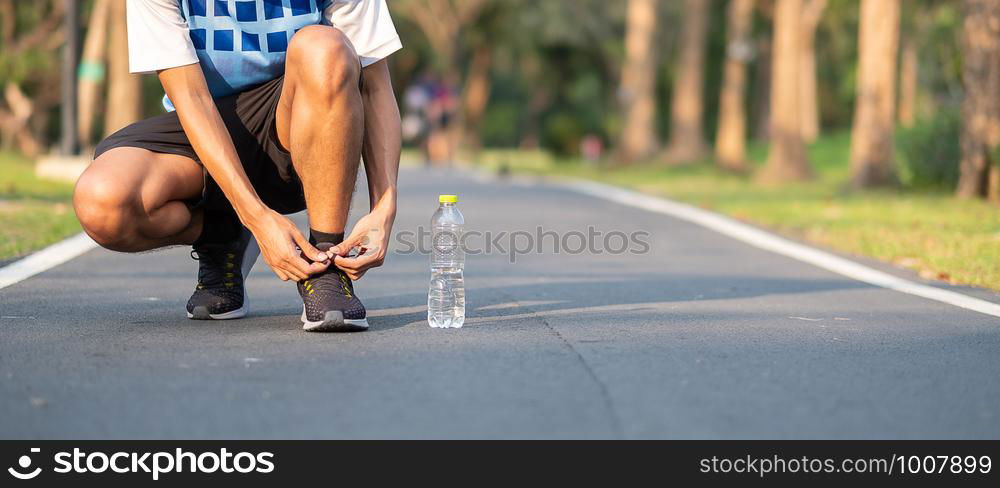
[700, 337]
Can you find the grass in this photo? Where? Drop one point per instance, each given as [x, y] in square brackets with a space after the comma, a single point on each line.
[33, 212]
[935, 234]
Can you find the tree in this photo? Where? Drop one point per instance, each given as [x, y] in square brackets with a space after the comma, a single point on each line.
[980, 166]
[30, 36]
[787, 157]
[92, 69]
[686, 139]
[874, 114]
[476, 96]
[124, 104]
[638, 98]
[812, 12]
[730, 141]
[908, 70]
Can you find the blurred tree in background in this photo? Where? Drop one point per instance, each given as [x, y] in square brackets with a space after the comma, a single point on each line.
[687, 141]
[574, 77]
[638, 86]
[30, 36]
[980, 167]
[730, 140]
[787, 160]
[872, 161]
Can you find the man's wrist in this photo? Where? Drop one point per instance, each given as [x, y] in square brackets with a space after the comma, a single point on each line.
[386, 202]
[251, 212]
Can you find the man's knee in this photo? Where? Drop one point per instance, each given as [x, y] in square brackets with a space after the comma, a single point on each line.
[324, 61]
[105, 209]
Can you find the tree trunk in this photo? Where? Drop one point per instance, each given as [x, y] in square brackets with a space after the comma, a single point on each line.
[787, 159]
[760, 107]
[686, 140]
[980, 176]
[811, 14]
[16, 122]
[92, 70]
[638, 98]
[530, 123]
[908, 76]
[730, 142]
[124, 104]
[476, 97]
[874, 115]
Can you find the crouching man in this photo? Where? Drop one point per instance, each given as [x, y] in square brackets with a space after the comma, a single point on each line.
[272, 105]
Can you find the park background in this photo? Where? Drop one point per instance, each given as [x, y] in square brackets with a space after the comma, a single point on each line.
[871, 127]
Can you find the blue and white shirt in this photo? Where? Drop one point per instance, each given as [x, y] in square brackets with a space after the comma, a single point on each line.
[242, 43]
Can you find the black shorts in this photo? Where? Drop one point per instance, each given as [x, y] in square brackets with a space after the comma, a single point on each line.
[249, 117]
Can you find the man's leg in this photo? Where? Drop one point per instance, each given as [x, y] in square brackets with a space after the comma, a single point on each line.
[320, 119]
[132, 199]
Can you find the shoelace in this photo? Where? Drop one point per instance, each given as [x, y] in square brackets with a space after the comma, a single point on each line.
[219, 267]
[344, 282]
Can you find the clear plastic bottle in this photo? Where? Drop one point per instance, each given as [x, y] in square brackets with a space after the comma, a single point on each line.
[446, 295]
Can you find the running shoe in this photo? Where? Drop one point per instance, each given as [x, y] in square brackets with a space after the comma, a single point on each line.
[222, 270]
[329, 303]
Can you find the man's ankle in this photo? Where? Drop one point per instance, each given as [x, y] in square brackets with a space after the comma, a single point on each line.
[218, 228]
[317, 237]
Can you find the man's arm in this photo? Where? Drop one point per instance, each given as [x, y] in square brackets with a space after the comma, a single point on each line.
[380, 152]
[277, 236]
[383, 139]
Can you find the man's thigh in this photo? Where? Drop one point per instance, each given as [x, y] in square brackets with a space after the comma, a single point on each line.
[151, 179]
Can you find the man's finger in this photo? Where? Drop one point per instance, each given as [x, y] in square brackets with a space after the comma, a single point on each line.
[299, 267]
[307, 248]
[355, 263]
[291, 273]
[281, 274]
[360, 262]
[315, 268]
[345, 247]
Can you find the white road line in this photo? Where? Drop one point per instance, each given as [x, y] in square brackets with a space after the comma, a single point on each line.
[770, 242]
[45, 259]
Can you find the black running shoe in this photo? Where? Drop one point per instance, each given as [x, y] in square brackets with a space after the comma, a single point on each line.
[222, 270]
[329, 303]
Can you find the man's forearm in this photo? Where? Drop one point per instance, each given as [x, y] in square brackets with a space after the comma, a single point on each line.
[208, 136]
[382, 141]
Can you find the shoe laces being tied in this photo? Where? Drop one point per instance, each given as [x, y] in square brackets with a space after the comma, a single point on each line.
[331, 280]
[219, 267]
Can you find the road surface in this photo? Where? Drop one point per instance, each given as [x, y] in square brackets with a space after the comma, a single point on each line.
[700, 337]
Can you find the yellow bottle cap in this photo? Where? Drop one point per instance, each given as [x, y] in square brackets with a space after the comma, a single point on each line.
[447, 198]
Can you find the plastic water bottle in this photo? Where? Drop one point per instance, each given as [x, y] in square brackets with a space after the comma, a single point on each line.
[446, 297]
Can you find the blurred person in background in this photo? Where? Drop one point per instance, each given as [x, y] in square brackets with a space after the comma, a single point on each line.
[416, 125]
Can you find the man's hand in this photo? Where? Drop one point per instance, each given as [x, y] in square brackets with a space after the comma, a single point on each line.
[371, 236]
[278, 238]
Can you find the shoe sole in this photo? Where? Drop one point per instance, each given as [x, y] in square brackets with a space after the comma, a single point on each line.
[333, 321]
[201, 313]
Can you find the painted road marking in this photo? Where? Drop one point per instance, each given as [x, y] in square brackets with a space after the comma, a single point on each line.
[45, 259]
[771, 242]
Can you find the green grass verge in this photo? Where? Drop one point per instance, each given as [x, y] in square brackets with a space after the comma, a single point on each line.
[933, 233]
[33, 212]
